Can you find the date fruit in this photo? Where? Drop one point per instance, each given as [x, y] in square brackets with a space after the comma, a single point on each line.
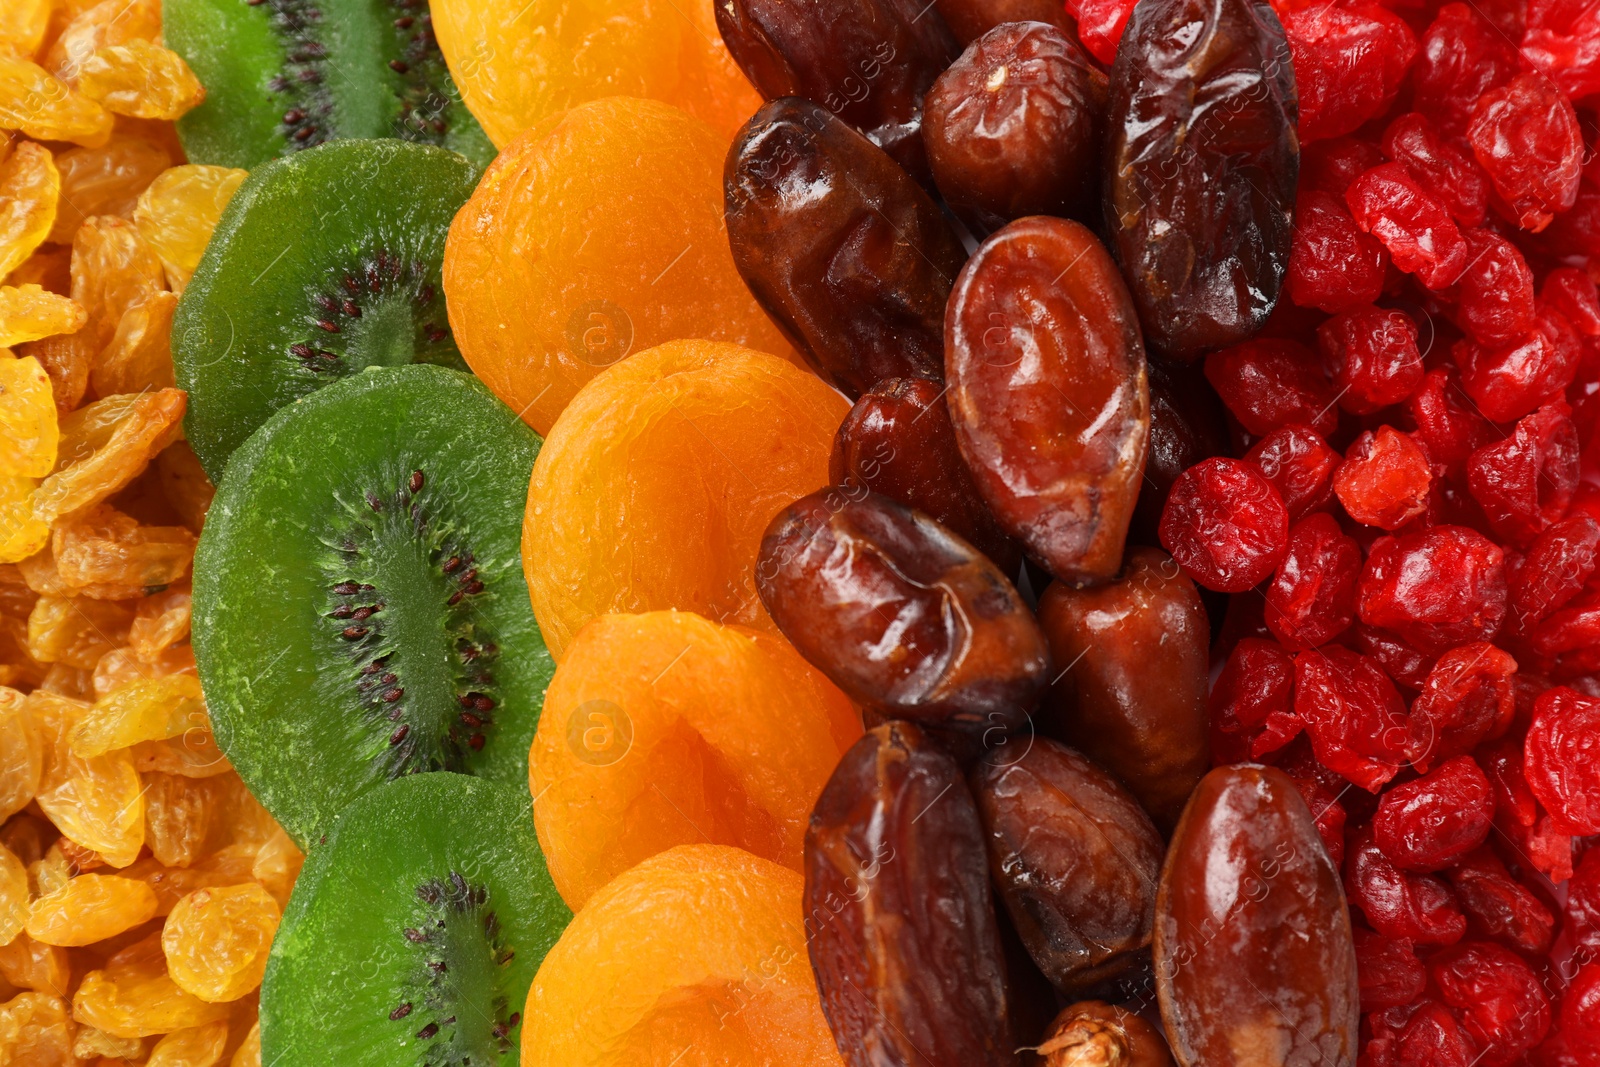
[1049, 393]
[1074, 857]
[899, 919]
[846, 253]
[901, 614]
[1255, 960]
[971, 19]
[1187, 425]
[869, 62]
[1013, 128]
[1131, 694]
[1202, 161]
[898, 441]
[1093, 1033]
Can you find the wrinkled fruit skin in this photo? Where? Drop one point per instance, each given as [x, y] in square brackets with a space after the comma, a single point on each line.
[846, 574]
[842, 248]
[1049, 393]
[1074, 857]
[1093, 1033]
[899, 919]
[1201, 164]
[1247, 876]
[1131, 694]
[971, 19]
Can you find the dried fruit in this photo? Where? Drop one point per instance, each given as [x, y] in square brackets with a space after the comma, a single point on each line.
[1373, 353]
[1094, 1032]
[145, 710]
[1430, 823]
[1436, 163]
[1525, 134]
[1252, 703]
[141, 79]
[195, 1046]
[1438, 588]
[1225, 525]
[21, 753]
[1354, 715]
[216, 940]
[28, 414]
[104, 181]
[1349, 62]
[1312, 598]
[1399, 904]
[1560, 762]
[104, 446]
[1384, 479]
[29, 188]
[1270, 384]
[1300, 466]
[177, 212]
[1496, 996]
[139, 356]
[132, 996]
[1333, 263]
[1525, 482]
[90, 908]
[35, 1031]
[45, 108]
[1468, 698]
[28, 313]
[1413, 224]
[97, 802]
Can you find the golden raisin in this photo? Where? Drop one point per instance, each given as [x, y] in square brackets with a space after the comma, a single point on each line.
[22, 26]
[29, 189]
[161, 620]
[120, 666]
[27, 964]
[28, 419]
[197, 1046]
[112, 270]
[140, 355]
[249, 1053]
[277, 866]
[45, 108]
[216, 940]
[194, 755]
[29, 312]
[21, 753]
[145, 710]
[102, 553]
[21, 534]
[140, 79]
[177, 817]
[184, 484]
[105, 181]
[90, 1042]
[104, 446]
[50, 266]
[76, 631]
[90, 908]
[65, 357]
[228, 866]
[178, 212]
[35, 1032]
[95, 26]
[133, 996]
[97, 802]
[13, 896]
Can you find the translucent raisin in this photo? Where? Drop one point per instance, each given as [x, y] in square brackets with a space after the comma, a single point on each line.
[216, 940]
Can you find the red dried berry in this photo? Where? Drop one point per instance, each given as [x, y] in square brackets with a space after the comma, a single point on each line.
[1300, 466]
[1562, 758]
[1469, 697]
[1559, 563]
[1527, 139]
[1312, 598]
[1225, 525]
[1499, 907]
[1348, 64]
[1405, 663]
[1571, 292]
[1271, 383]
[1583, 904]
[1431, 822]
[1496, 290]
[1525, 483]
[1433, 1038]
[1396, 903]
[1330, 166]
[1411, 222]
[1333, 264]
[1461, 56]
[1508, 381]
[1384, 479]
[1580, 1008]
[1353, 714]
[1413, 142]
[1391, 976]
[1568, 642]
[1437, 588]
[1496, 997]
[1251, 708]
[1448, 425]
[1327, 813]
[1373, 355]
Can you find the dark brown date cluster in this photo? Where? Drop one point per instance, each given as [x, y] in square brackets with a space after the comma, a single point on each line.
[1025, 851]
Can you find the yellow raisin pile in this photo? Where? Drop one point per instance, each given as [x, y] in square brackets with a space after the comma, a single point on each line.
[140, 883]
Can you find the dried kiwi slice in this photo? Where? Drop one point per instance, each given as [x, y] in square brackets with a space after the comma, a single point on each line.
[413, 933]
[360, 612]
[323, 264]
[285, 75]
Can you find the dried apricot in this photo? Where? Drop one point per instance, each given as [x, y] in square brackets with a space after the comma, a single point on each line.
[21, 753]
[715, 971]
[664, 729]
[29, 188]
[90, 908]
[177, 213]
[195, 1046]
[690, 447]
[550, 276]
[140, 79]
[35, 1032]
[104, 181]
[96, 802]
[517, 62]
[42, 106]
[216, 940]
[133, 996]
[28, 312]
[28, 416]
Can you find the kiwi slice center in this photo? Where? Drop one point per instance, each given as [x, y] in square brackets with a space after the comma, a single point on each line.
[402, 608]
[454, 1004]
[383, 311]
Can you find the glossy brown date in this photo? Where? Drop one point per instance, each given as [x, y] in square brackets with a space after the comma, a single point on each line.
[870, 61]
[898, 441]
[1187, 425]
[1013, 128]
[1048, 393]
[1131, 692]
[1093, 1033]
[971, 19]
[1255, 962]
[1074, 857]
[1201, 163]
[899, 921]
[900, 613]
[846, 253]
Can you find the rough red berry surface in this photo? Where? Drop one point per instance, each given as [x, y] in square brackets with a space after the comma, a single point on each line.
[1348, 64]
[1300, 466]
[1469, 697]
[1413, 141]
[1526, 482]
[1312, 598]
[1273, 383]
[1460, 57]
[1495, 290]
[1526, 137]
[1252, 703]
[1497, 998]
[1437, 588]
[1353, 713]
[1447, 423]
[1384, 479]
[1225, 525]
[1430, 823]
[1333, 263]
[1413, 224]
[1397, 903]
[1563, 758]
[1373, 355]
[1391, 975]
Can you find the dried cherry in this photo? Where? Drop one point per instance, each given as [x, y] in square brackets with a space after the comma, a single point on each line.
[1526, 137]
[1560, 759]
[1431, 822]
[1497, 998]
[1312, 598]
[1300, 466]
[1225, 523]
[1349, 62]
[1373, 354]
[1353, 714]
[1271, 383]
[1252, 703]
[1437, 588]
[1397, 903]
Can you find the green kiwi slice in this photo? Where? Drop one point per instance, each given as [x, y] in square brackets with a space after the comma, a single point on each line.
[286, 75]
[414, 933]
[323, 264]
[360, 612]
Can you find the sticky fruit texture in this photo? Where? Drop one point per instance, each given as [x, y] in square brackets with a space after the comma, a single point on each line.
[1074, 857]
[30, 187]
[95, 801]
[90, 908]
[871, 69]
[1245, 869]
[23, 27]
[1384, 479]
[1013, 127]
[258, 327]
[1268, 384]
[1497, 997]
[549, 276]
[1094, 1032]
[216, 940]
[1049, 393]
[1469, 697]
[1413, 224]
[1373, 354]
[1525, 135]
[132, 996]
[140, 79]
[519, 64]
[1431, 822]
[1460, 57]
[1225, 525]
[28, 312]
[1312, 598]
[1500, 906]
[191, 1047]
[36, 1031]
[1298, 463]
[898, 442]
[357, 588]
[1496, 290]
[716, 970]
[1252, 704]
[899, 920]
[1128, 687]
[1557, 566]
[21, 753]
[1448, 422]
[1333, 263]
[414, 931]
[1436, 588]
[847, 254]
[104, 181]
[139, 356]
[42, 106]
[708, 734]
[1413, 141]
[1348, 65]
[845, 575]
[28, 413]
[1353, 714]
[970, 19]
[1525, 482]
[1199, 210]
[1559, 758]
[691, 447]
[178, 211]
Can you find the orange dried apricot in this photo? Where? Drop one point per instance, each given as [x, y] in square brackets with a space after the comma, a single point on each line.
[104, 446]
[35, 1032]
[216, 940]
[28, 419]
[22, 26]
[105, 181]
[29, 312]
[140, 79]
[655, 485]
[715, 971]
[197, 1046]
[90, 908]
[139, 355]
[47, 109]
[147, 710]
[14, 895]
[177, 213]
[665, 729]
[177, 817]
[97, 802]
[21, 753]
[29, 188]
[517, 62]
[27, 964]
[76, 631]
[133, 996]
[551, 275]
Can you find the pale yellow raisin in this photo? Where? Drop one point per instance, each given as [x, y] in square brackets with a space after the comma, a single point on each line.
[21, 532]
[21, 753]
[66, 358]
[104, 446]
[178, 212]
[112, 270]
[90, 908]
[30, 186]
[27, 964]
[22, 26]
[14, 895]
[102, 553]
[140, 79]
[216, 940]
[29, 312]
[198, 1046]
[249, 1053]
[29, 433]
[147, 710]
[139, 356]
[123, 665]
[161, 620]
[177, 817]
[194, 755]
[76, 631]
[47, 109]
[104, 181]
[97, 803]
[184, 484]
[95, 26]
[35, 1032]
[227, 866]
[277, 866]
[49, 872]
[133, 996]
[90, 1042]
